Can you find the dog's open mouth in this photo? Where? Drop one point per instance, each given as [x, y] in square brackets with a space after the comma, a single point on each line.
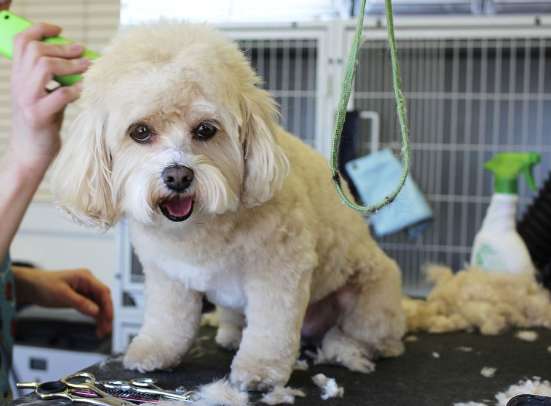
[177, 208]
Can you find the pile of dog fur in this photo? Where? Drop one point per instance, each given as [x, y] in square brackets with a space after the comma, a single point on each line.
[533, 386]
[473, 299]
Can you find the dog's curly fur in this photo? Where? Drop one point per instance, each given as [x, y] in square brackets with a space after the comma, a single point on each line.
[268, 235]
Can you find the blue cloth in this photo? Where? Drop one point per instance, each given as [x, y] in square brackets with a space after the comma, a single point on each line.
[376, 176]
[7, 307]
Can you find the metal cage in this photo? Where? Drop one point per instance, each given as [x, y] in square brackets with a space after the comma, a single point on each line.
[474, 87]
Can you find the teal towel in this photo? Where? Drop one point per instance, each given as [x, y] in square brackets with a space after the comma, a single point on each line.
[376, 176]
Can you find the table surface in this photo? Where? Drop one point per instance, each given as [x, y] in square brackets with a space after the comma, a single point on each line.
[416, 378]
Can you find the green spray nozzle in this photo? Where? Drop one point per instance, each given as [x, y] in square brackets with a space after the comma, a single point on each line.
[507, 166]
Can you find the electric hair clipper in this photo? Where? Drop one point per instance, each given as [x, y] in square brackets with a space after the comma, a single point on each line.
[11, 25]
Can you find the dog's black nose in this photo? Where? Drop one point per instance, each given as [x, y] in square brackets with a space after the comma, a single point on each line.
[177, 177]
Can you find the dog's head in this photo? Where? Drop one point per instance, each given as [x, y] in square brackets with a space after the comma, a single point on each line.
[173, 127]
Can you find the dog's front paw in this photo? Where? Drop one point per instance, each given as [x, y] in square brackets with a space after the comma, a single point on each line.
[146, 354]
[229, 337]
[256, 374]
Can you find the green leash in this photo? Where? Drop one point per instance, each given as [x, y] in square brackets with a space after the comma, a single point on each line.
[343, 102]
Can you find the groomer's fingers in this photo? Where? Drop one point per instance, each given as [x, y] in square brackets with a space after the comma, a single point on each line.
[106, 311]
[38, 49]
[47, 67]
[79, 302]
[85, 283]
[5, 5]
[56, 101]
[104, 326]
[34, 33]
[102, 296]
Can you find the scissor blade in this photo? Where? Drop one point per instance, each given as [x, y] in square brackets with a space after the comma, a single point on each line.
[185, 397]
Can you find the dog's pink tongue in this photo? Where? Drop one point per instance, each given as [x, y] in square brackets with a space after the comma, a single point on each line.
[179, 207]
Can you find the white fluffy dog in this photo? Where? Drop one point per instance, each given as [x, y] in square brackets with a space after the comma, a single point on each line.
[176, 135]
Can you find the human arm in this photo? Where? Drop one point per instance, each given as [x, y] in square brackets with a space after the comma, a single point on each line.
[36, 120]
[37, 115]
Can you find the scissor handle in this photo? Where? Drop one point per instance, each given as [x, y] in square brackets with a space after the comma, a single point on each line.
[51, 388]
[65, 394]
[86, 380]
[89, 383]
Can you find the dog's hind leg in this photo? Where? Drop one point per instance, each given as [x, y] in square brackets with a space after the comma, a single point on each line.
[171, 320]
[373, 325]
[377, 319]
[230, 328]
[338, 348]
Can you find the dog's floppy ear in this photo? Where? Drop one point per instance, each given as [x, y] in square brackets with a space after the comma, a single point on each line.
[81, 178]
[266, 165]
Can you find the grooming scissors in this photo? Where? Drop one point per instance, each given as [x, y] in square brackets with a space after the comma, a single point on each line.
[78, 388]
[147, 386]
[83, 387]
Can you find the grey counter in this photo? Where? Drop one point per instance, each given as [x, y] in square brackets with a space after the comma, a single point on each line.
[417, 378]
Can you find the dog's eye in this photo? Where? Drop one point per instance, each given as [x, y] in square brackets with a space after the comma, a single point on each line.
[141, 133]
[204, 131]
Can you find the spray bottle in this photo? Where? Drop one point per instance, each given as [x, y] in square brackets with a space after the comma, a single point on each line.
[498, 246]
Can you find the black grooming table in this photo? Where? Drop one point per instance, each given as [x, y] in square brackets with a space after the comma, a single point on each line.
[435, 371]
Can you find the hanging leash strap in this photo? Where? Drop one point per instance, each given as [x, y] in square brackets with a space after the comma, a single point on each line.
[343, 103]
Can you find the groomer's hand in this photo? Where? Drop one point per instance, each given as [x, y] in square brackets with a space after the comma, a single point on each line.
[78, 289]
[38, 113]
[5, 4]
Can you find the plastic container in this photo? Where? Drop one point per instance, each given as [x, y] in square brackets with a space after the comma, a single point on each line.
[497, 246]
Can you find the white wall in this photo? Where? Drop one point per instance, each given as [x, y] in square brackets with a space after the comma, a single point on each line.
[224, 11]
